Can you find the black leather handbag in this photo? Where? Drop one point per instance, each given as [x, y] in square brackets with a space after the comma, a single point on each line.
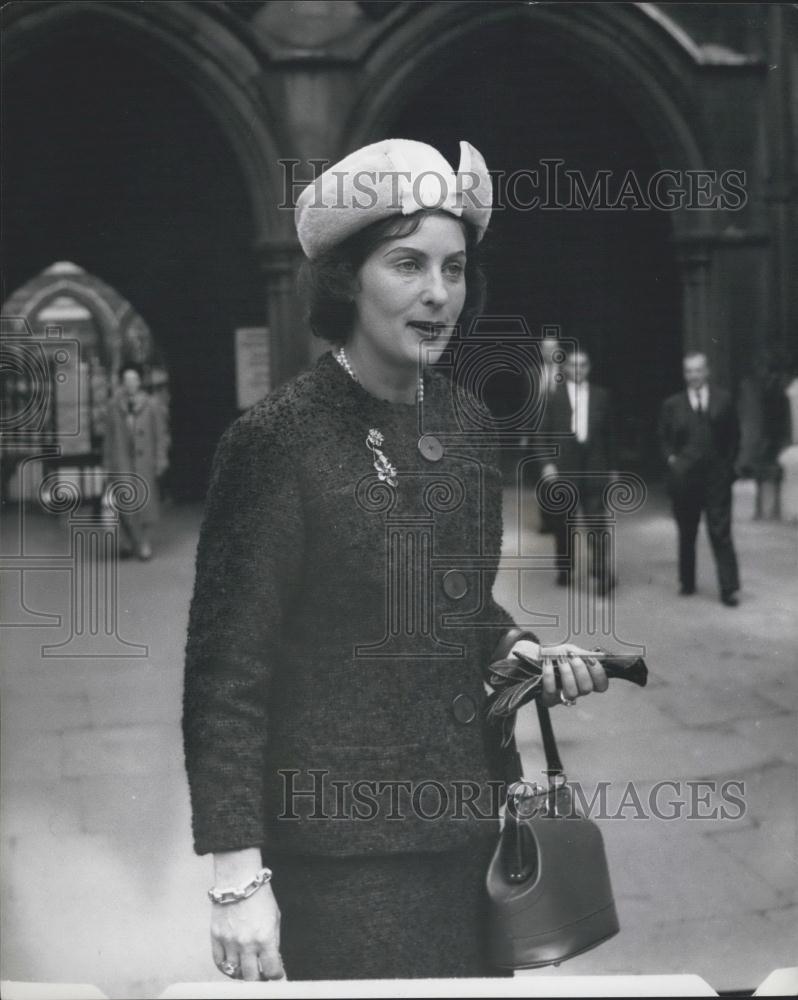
[548, 883]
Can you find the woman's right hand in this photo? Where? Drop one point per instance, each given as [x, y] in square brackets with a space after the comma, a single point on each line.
[579, 672]
[246, 935]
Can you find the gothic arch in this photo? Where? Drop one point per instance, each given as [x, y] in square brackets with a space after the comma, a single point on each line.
[647, 60]
[113, 313]
[657, 73]
[217, 64]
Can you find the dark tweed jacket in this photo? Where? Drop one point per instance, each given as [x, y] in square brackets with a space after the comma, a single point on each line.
[341, 625]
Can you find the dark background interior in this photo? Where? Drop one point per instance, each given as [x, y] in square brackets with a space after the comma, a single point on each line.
[111, 162]
[608, 279]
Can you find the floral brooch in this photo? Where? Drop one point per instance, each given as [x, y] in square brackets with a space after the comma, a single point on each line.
[386, 472]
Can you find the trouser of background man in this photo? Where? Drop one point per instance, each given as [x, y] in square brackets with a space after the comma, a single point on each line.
[712, 496]
[597, 525]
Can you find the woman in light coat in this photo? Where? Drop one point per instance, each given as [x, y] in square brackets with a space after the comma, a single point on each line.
[135, 443]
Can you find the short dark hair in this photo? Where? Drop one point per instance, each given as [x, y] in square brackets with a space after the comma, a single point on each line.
[326, 283]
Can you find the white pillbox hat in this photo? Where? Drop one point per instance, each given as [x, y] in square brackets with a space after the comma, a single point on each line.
[392, 177]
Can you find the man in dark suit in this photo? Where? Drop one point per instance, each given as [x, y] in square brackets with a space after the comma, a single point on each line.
[550, 376]
[699, 437]
[579, 413]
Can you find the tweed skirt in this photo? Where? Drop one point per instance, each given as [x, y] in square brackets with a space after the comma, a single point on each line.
[396, 916]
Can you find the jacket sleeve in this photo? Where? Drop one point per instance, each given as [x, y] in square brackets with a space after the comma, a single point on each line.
[247, 570]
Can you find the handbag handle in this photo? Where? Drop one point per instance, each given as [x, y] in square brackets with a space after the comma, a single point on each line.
[518, 848]
[554, 768]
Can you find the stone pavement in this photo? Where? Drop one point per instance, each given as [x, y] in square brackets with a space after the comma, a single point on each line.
[100, 882]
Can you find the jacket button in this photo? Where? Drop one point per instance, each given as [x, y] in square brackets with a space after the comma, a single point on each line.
[455, 584]
[430, 447]
[464, 709]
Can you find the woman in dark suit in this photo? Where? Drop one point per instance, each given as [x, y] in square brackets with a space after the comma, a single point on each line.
[343, 616]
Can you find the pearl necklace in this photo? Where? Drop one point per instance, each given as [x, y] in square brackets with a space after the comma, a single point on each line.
[343, 361]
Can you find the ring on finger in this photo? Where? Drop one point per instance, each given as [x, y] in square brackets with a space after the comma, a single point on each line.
[229, 968]
[565, 700]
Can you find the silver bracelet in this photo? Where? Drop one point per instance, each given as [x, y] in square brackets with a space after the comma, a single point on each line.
[224, 896]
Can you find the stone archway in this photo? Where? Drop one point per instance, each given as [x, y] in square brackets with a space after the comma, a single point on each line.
[209, 54]
[656, 71]
[187, 82]
[640, 52]
[65, 335]
[116, 318]
[210, 59]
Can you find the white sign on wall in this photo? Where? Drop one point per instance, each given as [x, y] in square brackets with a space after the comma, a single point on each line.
[252, 365]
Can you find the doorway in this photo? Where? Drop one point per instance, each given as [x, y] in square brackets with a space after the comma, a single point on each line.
[606, 278]
[110, 161]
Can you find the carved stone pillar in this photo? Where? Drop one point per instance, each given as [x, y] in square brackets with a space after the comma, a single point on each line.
[694, 267]
[289, 335]
[788, 460]
[781, 189]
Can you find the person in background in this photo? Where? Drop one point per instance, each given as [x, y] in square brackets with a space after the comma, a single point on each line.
[699, 438]
[579, 413]
[550, 377]
[135, 442]
[765, 428]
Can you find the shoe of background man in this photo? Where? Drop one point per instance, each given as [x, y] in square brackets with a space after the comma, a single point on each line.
[686, 591]
[562, 578]
[729, 598]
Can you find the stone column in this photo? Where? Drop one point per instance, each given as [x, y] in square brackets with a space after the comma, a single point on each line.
[788, 460]
[289, 335]
[694, 265]
[780, 183]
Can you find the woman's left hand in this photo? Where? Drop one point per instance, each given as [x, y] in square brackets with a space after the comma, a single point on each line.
[580, 673]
